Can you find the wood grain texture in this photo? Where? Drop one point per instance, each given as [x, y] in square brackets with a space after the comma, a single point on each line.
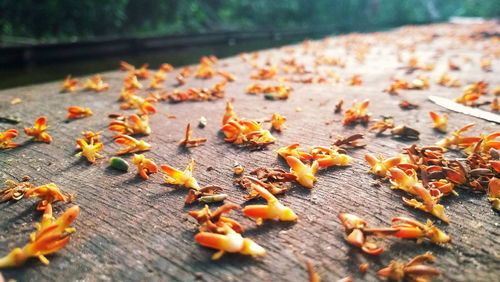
[130, 229]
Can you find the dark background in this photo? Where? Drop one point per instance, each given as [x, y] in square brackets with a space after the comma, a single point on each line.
[72, 20]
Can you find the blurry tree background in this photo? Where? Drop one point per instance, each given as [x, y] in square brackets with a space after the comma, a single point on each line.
[72, 20]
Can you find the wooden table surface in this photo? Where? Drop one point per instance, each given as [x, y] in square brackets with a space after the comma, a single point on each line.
[131, 229]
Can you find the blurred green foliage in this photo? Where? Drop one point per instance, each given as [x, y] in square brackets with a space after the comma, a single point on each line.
[68, 20]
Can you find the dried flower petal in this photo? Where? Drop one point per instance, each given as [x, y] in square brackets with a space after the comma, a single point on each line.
[48, 194]
[414, 270]
[15, 190]
[89, 150]
[273, 210]
[78, 112]
[38, 131]
[191, 142]
[96, 83]
[439, 122]
[51, 236]
[357, 114]
[69, 84]
[277, 122]
[184, 178]
[132, 144]
[144, 166]
[6, 138]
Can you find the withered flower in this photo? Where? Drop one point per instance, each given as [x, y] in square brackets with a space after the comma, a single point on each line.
[414, 270]
[15, 190]
[222, 233]
[406, 105]
[352, 141]
[191, 142]
[272, 179]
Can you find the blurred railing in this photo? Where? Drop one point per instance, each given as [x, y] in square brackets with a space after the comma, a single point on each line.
[28, 54]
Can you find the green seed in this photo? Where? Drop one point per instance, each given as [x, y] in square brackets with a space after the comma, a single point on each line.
[118, 163]
[213, 198]
[10, 119]
[269, 96]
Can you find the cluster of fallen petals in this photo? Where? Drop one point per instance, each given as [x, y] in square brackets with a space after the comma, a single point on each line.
[380, 166]
[472, 92]
[350, 142]
[195, 94]
[265, 73]
[47, 194]
[95, 83]
[305, 174]
[208, 194]
[413, 64]
[273, 179]
[143, 72]
[205, 68]
[131, 83]
[419, 83]
[274, 209]
[242, 131]
[446, 80]
[131, 125]
[52, 234]
[425, 173]
[357, 231]
[455, 140]
[90, 137]
[159, 77]
[428, 175]
[304, 165]
[143, 105]
[183, 73]
[270, 91]
[222, 233]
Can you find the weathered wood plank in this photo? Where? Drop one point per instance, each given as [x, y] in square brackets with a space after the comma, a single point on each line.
[130, 229]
